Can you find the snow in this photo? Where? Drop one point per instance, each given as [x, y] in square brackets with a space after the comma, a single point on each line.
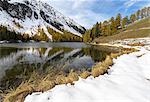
[124, 43]
[31, 25]
[128, 80]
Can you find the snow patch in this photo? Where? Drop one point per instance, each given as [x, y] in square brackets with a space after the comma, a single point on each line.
[128, 80]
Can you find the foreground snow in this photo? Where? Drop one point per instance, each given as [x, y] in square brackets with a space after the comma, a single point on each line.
[128, 80]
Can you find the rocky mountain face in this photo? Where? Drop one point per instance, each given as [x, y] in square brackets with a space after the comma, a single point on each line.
[28, 16]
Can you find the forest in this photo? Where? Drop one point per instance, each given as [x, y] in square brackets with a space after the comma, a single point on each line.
[114, 25]
[109, 27]
[6, 34]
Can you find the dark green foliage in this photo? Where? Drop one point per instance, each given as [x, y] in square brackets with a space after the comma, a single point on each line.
[132, 18]
[113, 26]
[118, 21]
[125, 22]
[138, 14]
[96, 30]
[87, 36]
[6, 34]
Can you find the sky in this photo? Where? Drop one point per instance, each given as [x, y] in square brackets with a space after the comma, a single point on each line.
[88, 12]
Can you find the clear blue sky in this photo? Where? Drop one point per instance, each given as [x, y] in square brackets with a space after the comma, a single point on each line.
[88, 12]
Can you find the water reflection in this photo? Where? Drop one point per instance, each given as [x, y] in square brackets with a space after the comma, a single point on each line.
[17, 62]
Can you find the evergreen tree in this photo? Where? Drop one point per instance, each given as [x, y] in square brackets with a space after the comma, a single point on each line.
[87, 36]
[100, 29]
[113, 26]
[96, 31]
[124, 22]
[138, 14]
[132, 18]
[118, 21]
[104, 28]
[142, 13]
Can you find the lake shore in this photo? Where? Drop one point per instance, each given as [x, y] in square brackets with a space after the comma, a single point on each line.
[48, 83]
[123, 72]
[28, 64]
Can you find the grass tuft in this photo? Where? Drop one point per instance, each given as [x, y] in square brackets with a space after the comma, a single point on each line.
[41, 83]
[102, 67]
[85, 74]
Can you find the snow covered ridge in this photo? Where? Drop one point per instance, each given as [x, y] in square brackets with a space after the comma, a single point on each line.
[31, 15]
[128, 80]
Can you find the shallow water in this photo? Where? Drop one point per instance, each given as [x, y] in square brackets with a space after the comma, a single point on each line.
[18, 60]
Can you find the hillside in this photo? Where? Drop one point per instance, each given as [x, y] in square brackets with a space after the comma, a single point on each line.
[117, 27]
[32, 19]
[137, 29]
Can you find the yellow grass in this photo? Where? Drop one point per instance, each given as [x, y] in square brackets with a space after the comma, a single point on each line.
[102, 67]
[136, 44]
[38, 83]
[85, 74]
[124, 35]
[138, 29]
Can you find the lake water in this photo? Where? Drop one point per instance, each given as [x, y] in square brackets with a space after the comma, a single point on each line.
[17, 60]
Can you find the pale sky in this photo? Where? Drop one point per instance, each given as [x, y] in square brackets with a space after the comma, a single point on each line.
[88, 12]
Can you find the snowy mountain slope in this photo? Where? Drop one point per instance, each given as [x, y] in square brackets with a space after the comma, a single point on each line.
[27, 16]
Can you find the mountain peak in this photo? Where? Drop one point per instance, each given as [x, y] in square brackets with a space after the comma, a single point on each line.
[27, 16]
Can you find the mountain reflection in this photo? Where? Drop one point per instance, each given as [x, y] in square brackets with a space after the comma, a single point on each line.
[16, 63]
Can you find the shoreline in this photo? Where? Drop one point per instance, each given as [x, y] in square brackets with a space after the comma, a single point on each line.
[121, 66]
[99, 69]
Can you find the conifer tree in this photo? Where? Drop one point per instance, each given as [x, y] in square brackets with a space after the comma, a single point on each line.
[113, 25]
[118, 20]
[124, 22]
[138, 14]
[96, 30]
[132, 18]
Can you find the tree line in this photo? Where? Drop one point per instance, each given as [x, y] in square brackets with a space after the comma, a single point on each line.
[6, 34]
[11, 35]
[65, 36]
[114, 25]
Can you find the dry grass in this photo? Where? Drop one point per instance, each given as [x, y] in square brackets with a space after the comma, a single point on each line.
[115, 55]
[73, 76]
[140, 24]
[135, 30]
[124, 35]
[38, 83]
[17, 95]
[61, 79]
[136, 44]
[85, 74]
[102, 67]
[124, 51]
[128, 50]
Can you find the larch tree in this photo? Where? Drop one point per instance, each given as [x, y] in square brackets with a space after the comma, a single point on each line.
[132, 18]
[118, 21]
[113, 25]
[124, 22]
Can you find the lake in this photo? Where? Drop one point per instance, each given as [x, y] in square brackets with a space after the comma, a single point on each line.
[19, 60]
